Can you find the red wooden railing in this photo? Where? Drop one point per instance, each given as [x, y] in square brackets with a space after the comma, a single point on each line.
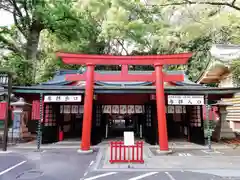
[119, 153]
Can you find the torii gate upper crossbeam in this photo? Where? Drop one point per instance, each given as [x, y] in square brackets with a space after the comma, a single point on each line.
[174, 59]
[124, 77]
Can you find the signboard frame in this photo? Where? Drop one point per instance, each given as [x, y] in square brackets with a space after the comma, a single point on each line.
[128, 141]
[128, 138]
[62, 98]
[185, 100]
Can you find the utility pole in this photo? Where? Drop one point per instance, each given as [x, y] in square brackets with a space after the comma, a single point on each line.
[6, 80]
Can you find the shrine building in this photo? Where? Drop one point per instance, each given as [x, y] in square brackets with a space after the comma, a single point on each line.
[97, 105]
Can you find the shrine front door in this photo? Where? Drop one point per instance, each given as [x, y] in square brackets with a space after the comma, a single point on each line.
[150, 124]
[195, 124]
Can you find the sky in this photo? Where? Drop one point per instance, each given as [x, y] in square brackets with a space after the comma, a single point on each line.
[5, 18]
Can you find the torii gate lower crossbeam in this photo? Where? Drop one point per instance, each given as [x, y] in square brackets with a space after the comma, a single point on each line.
[158, 61]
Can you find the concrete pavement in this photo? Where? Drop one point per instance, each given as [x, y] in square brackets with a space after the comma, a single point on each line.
[61, 161]
[59, 164]
[47, 165]
[151, 175]
[223, 161]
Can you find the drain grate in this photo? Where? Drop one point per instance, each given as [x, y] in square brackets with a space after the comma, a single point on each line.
[32, 174]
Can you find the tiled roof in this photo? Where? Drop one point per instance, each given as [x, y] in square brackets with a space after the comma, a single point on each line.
[59, 79]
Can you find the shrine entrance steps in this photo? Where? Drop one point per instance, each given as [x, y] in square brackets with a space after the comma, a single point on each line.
[180, 143]
[75, 143]
[106, 142]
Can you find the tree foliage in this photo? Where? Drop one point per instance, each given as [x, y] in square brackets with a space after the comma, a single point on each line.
[233, 4]
[74, 31]
[118, 27]
[235, 69]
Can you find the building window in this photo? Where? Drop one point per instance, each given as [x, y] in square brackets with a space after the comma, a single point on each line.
[50, 116]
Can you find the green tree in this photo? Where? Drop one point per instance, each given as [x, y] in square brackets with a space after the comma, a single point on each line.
[117, 27]
[234, 4]
[235, 69]
[213, 21]
[31, 18]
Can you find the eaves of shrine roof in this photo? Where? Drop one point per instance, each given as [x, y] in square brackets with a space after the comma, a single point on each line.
[180, 90]
[59, 79]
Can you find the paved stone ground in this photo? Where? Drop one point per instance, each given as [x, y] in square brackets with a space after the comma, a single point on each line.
[224, 162]
[184, 144]
[181, 162]
[58, 145]
[198, 152]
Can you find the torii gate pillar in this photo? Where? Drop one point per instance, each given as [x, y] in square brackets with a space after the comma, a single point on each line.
[88, 104]
[161, 114]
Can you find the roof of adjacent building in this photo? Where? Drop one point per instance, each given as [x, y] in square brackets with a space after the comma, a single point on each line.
[214, 72]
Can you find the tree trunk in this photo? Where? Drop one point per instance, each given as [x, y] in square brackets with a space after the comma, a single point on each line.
[32, 50]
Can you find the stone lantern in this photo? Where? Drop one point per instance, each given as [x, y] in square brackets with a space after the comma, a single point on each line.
[20, 111]
[222, 129]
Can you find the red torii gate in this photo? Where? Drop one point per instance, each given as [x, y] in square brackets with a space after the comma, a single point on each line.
[158, 76]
